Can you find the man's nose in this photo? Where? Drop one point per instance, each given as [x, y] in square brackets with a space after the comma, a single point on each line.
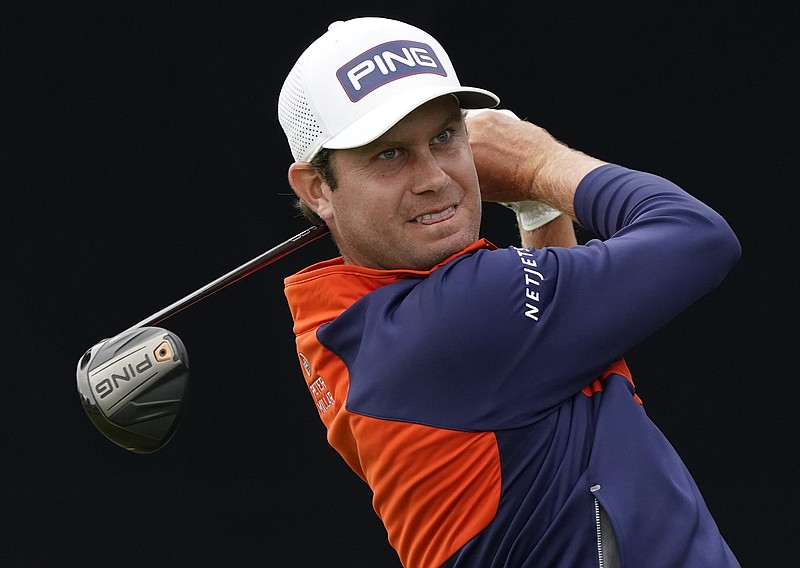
[429, 173]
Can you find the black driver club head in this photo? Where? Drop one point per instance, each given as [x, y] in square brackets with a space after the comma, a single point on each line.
[133, 385]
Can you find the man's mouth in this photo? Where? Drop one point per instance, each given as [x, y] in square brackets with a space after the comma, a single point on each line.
[431, 218]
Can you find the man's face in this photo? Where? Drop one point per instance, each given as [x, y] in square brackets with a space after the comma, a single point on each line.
[409, 199]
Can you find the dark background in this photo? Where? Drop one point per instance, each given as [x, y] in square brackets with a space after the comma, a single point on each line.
[142, 158]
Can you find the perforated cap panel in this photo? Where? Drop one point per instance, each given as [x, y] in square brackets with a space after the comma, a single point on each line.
[296, 117]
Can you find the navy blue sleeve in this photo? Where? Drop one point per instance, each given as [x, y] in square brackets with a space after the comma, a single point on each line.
[497, 339]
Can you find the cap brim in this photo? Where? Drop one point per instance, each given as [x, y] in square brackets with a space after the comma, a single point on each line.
[377, 121]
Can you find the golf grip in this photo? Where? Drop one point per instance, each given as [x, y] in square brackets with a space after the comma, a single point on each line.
[301, 239]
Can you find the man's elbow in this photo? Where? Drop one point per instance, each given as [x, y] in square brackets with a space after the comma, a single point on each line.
[726, 246]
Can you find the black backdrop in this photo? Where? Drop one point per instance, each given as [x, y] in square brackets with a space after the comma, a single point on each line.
[142, 158]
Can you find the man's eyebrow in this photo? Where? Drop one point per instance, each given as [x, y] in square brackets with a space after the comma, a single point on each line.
[379, 143]
[456, 115]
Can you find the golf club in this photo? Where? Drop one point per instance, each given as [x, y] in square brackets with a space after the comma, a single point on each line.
[132, 386]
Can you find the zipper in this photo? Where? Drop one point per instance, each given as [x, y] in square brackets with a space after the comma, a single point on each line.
[607, 546]
[598, 529]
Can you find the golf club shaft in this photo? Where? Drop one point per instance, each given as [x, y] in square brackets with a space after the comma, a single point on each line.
[309, 235]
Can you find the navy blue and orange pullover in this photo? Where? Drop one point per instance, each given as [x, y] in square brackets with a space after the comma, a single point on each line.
[487, 404]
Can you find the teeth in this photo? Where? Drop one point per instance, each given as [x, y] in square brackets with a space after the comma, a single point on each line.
[431, 216]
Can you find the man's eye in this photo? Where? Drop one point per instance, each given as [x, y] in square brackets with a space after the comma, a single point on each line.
[388, 154]
[442, 137]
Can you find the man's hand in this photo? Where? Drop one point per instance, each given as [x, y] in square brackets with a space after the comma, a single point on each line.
[519, 161]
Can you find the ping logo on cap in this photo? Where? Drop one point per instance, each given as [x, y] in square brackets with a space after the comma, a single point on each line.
[385, 63]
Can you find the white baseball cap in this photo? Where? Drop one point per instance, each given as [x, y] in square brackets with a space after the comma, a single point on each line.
[359, 79]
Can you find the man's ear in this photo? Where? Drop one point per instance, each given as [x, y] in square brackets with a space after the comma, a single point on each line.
[310, 188]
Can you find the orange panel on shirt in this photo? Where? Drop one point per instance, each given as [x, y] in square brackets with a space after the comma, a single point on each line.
[434, 489]
[618, 367]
